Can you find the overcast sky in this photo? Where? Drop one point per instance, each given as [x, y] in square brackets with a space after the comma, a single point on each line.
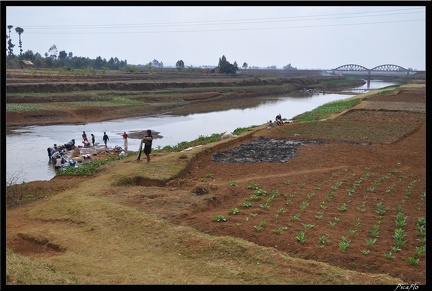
[307, 37]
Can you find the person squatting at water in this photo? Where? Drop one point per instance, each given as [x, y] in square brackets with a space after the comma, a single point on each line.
[148, 140]
[70, 145]
[271, 125]
[279, 119]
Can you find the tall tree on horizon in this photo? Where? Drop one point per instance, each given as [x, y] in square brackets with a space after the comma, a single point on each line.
[19, 30]
[10, 44]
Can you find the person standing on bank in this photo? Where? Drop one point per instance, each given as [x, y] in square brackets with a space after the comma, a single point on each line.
[105, 139]
[93, 139]
[125, 139]
[148, 140]
[84, 136]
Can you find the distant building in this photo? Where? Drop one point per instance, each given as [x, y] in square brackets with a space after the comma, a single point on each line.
[215, 70]
[26, 64]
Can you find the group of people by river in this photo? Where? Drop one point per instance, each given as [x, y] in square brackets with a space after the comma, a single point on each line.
[62, 155]
[278, 121]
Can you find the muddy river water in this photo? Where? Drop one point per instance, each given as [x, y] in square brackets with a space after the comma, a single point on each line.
[24, 165]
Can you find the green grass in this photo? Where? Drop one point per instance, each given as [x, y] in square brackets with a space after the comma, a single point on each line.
[326, 110]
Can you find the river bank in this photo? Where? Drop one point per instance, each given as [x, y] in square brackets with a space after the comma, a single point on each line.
[130, 205]
[45, 100]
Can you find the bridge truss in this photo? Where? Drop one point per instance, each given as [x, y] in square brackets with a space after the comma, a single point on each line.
[381, 68]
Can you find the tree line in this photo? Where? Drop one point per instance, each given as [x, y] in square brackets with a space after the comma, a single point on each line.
[55, 59]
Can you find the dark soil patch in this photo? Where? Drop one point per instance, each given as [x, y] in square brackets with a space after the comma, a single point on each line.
[262, 150]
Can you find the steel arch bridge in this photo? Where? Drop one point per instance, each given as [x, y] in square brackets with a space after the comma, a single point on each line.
[381, 68]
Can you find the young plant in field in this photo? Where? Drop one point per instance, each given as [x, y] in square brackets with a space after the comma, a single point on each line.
[295, 217]
[260, 226]
[257, 228]
[398, 236]
[374, 232]
[390, 188]
[400, 242]
[203, 179]
[281, 210]
[357, 222]
[337, 219]
[343, 245]
[399, 233]
[301, 237]
[421, 231]
[399, 209]
[322, 205]
[287, 182]
[210, 175]
[337, 185]
[308, 226]
[400, 219]
[233, 184]
[246, 204]
[421, 221]
[260, 192]
[389, 255]
[234, 211]
[421, 250]
[279, 230]
[329, 196]
[254, 214]
[219, 218]
[361, 207]
[370, 242]
[353, 231]
[343, 207]
[288, 202]
[253, 186]
[365, 252]
[318, 186]
[422, 240]
[319, 216]
[413, 261]
[332, 223]
[269, 199]
[254, 197]
[323, 239]
[395, 249]
[380, 209]
[304, 205]
[265, 206]
[310, 195]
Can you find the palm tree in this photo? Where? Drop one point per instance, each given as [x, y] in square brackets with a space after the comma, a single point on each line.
[19, 30]
[10, 27]
[11, 45]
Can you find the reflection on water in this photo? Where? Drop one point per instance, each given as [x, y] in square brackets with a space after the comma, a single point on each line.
[27, 157]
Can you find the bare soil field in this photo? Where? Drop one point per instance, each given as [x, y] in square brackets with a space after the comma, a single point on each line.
[334, 198]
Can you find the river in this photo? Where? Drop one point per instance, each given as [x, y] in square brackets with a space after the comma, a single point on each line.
[27, 158]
